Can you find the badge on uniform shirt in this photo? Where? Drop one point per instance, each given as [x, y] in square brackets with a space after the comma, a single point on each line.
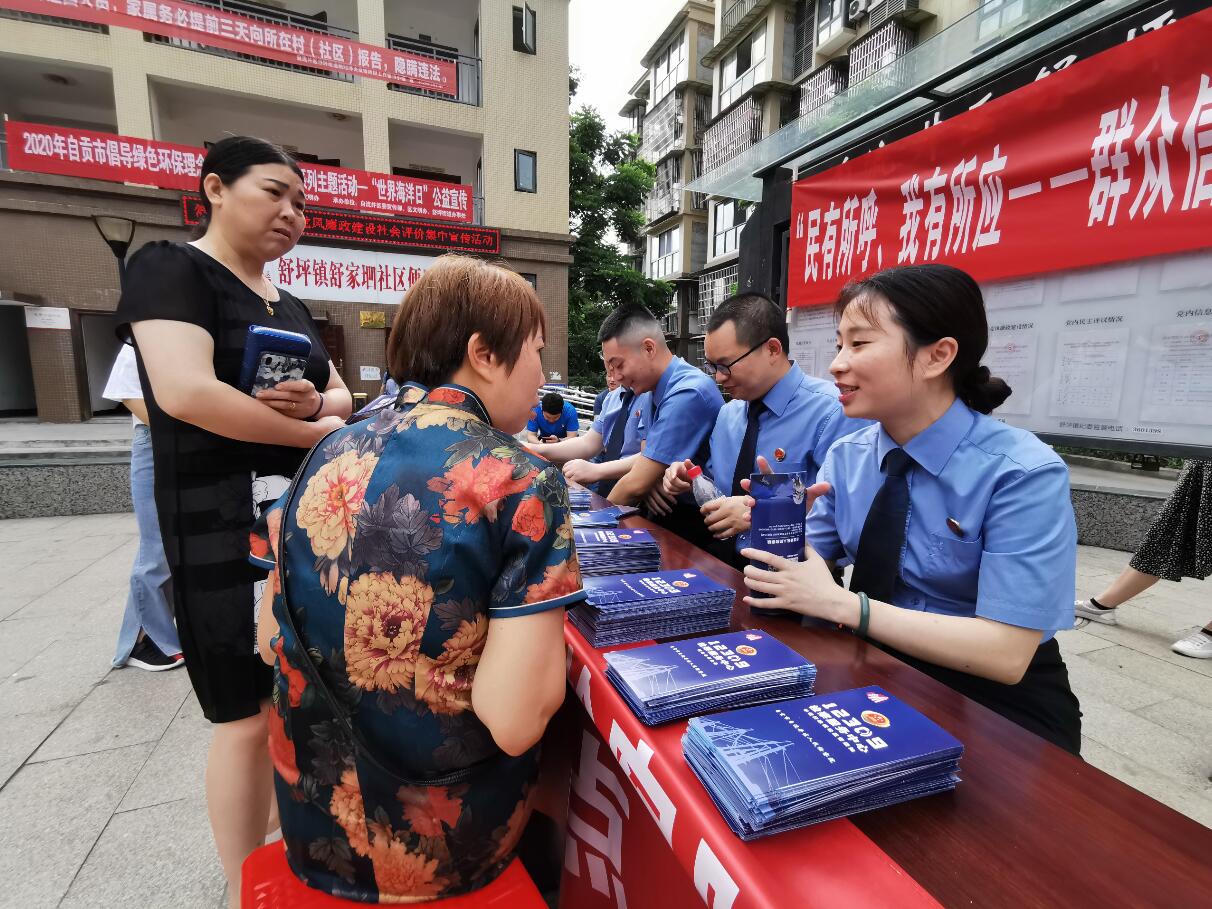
[780, 455]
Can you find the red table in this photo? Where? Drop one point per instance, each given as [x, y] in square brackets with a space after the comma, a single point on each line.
[1029, 825]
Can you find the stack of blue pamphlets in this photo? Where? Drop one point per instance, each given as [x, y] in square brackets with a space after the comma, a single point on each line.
[622, 551]
[580, 499]
[669, 681]
[624, 608]
[602, 517]
[786, 765]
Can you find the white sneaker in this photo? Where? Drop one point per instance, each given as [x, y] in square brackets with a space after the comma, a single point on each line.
[1084, 609]
[1197, 644]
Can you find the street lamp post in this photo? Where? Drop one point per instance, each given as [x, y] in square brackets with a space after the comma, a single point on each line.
[117, 234]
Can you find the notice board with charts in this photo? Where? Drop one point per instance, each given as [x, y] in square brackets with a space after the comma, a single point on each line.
[1116, 356]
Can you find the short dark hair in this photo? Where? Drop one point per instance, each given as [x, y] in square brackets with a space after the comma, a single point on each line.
[755, 318]
[931, 302]
[231, 158]
[455, 298]
[628, 319]
[553, 402]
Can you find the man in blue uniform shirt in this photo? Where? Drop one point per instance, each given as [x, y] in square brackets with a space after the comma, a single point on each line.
[680, 411]
[777, 412]
[553, 419]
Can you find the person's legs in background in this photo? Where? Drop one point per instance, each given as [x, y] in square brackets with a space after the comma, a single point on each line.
[1102, 608]
[148, 638]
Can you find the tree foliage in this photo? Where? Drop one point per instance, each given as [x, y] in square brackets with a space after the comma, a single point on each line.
[607, 185]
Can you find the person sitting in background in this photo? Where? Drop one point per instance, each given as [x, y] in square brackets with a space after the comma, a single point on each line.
[960, 527]
[1177, 545]
[597, 458]
[552, 419]
[676, 419]
[148, 638]
[423, 560]
[611, 385]
[776, 412]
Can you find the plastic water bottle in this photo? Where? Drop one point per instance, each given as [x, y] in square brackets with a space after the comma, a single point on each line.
[700, 484]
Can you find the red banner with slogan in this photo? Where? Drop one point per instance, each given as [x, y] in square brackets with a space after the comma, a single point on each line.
[370, 230]
[101, 156]
[257, 37]
[1107, 160]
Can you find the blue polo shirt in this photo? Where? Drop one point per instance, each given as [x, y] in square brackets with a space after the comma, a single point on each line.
[603, 423]
[803, 418]
[568, 422]
[679, 413]
[1014, 557]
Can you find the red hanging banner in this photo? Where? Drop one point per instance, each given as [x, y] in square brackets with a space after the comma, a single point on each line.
[1107, 160]
[258, 37]
[73, 152]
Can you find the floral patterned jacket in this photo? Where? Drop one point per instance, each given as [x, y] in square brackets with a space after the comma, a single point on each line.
[409, 533]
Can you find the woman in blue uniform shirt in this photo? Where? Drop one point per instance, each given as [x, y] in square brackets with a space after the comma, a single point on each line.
[960, 527]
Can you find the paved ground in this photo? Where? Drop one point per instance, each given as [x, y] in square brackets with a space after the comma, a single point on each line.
[101, 772]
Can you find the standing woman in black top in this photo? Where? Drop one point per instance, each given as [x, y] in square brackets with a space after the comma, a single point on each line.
[188, 308]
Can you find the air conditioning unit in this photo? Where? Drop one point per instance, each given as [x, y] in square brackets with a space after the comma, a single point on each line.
[857, 9]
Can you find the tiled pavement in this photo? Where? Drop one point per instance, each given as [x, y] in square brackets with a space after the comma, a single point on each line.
[101, 772]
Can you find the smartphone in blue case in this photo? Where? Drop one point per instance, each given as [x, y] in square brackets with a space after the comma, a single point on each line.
[272, 355]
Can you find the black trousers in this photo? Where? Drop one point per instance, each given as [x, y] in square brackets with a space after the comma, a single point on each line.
[1042, 702]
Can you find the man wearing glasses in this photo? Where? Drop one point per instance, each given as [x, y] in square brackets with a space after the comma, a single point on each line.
[677, 416]
[777, 412]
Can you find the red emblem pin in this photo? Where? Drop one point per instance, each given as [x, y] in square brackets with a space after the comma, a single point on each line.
[779, 454]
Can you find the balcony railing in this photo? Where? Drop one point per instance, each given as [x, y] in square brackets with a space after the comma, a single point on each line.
[663, 127]
[823, 85]
[662, 201]
[715, 287]
[732, 134]
[663, 266]
[468, 70]
[40, 19]
[738, 15]
[272, 16]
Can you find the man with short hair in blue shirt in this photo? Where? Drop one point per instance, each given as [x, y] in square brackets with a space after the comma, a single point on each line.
[680, 411]
[777, 412]
[553, 419]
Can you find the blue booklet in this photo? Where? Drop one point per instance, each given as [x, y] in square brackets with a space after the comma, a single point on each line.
[624, 550]
[663, 682]
[624, 608]
[602, 517]
[800, 762]
[580, 499]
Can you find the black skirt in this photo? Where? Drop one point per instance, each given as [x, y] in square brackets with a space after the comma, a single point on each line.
[1178, 544]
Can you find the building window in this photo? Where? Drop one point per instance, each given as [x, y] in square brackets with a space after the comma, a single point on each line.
[668, 68]
[830, 20]
[531, 279]
[995, 15]
[730, 218]
[525, 25]
[525, 171]
[664, 251]
[741, 69]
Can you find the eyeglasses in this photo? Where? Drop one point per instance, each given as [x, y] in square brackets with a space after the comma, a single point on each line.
[725, 369]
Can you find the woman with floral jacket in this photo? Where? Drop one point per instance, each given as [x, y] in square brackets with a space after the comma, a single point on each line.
[427, 562]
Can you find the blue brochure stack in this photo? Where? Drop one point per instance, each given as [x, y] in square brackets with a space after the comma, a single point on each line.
[622, 551]
[669, 681]
[624, 608]
[602, 517]
[786, 765]
[580, 499]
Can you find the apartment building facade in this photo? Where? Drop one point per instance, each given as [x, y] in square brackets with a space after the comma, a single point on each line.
[487, 134]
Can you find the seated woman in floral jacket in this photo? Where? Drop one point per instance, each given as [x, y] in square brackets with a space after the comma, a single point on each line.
[427, 559]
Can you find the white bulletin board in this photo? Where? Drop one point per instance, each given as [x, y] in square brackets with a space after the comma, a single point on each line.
[1117, 356]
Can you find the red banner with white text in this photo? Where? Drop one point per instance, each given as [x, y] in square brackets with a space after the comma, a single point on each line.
[1107, 160]
[258, 37]
[74, 152]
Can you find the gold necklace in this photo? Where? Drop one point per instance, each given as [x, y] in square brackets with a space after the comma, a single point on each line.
[265, 299]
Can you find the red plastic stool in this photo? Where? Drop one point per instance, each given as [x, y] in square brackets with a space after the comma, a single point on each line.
[266, 882]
